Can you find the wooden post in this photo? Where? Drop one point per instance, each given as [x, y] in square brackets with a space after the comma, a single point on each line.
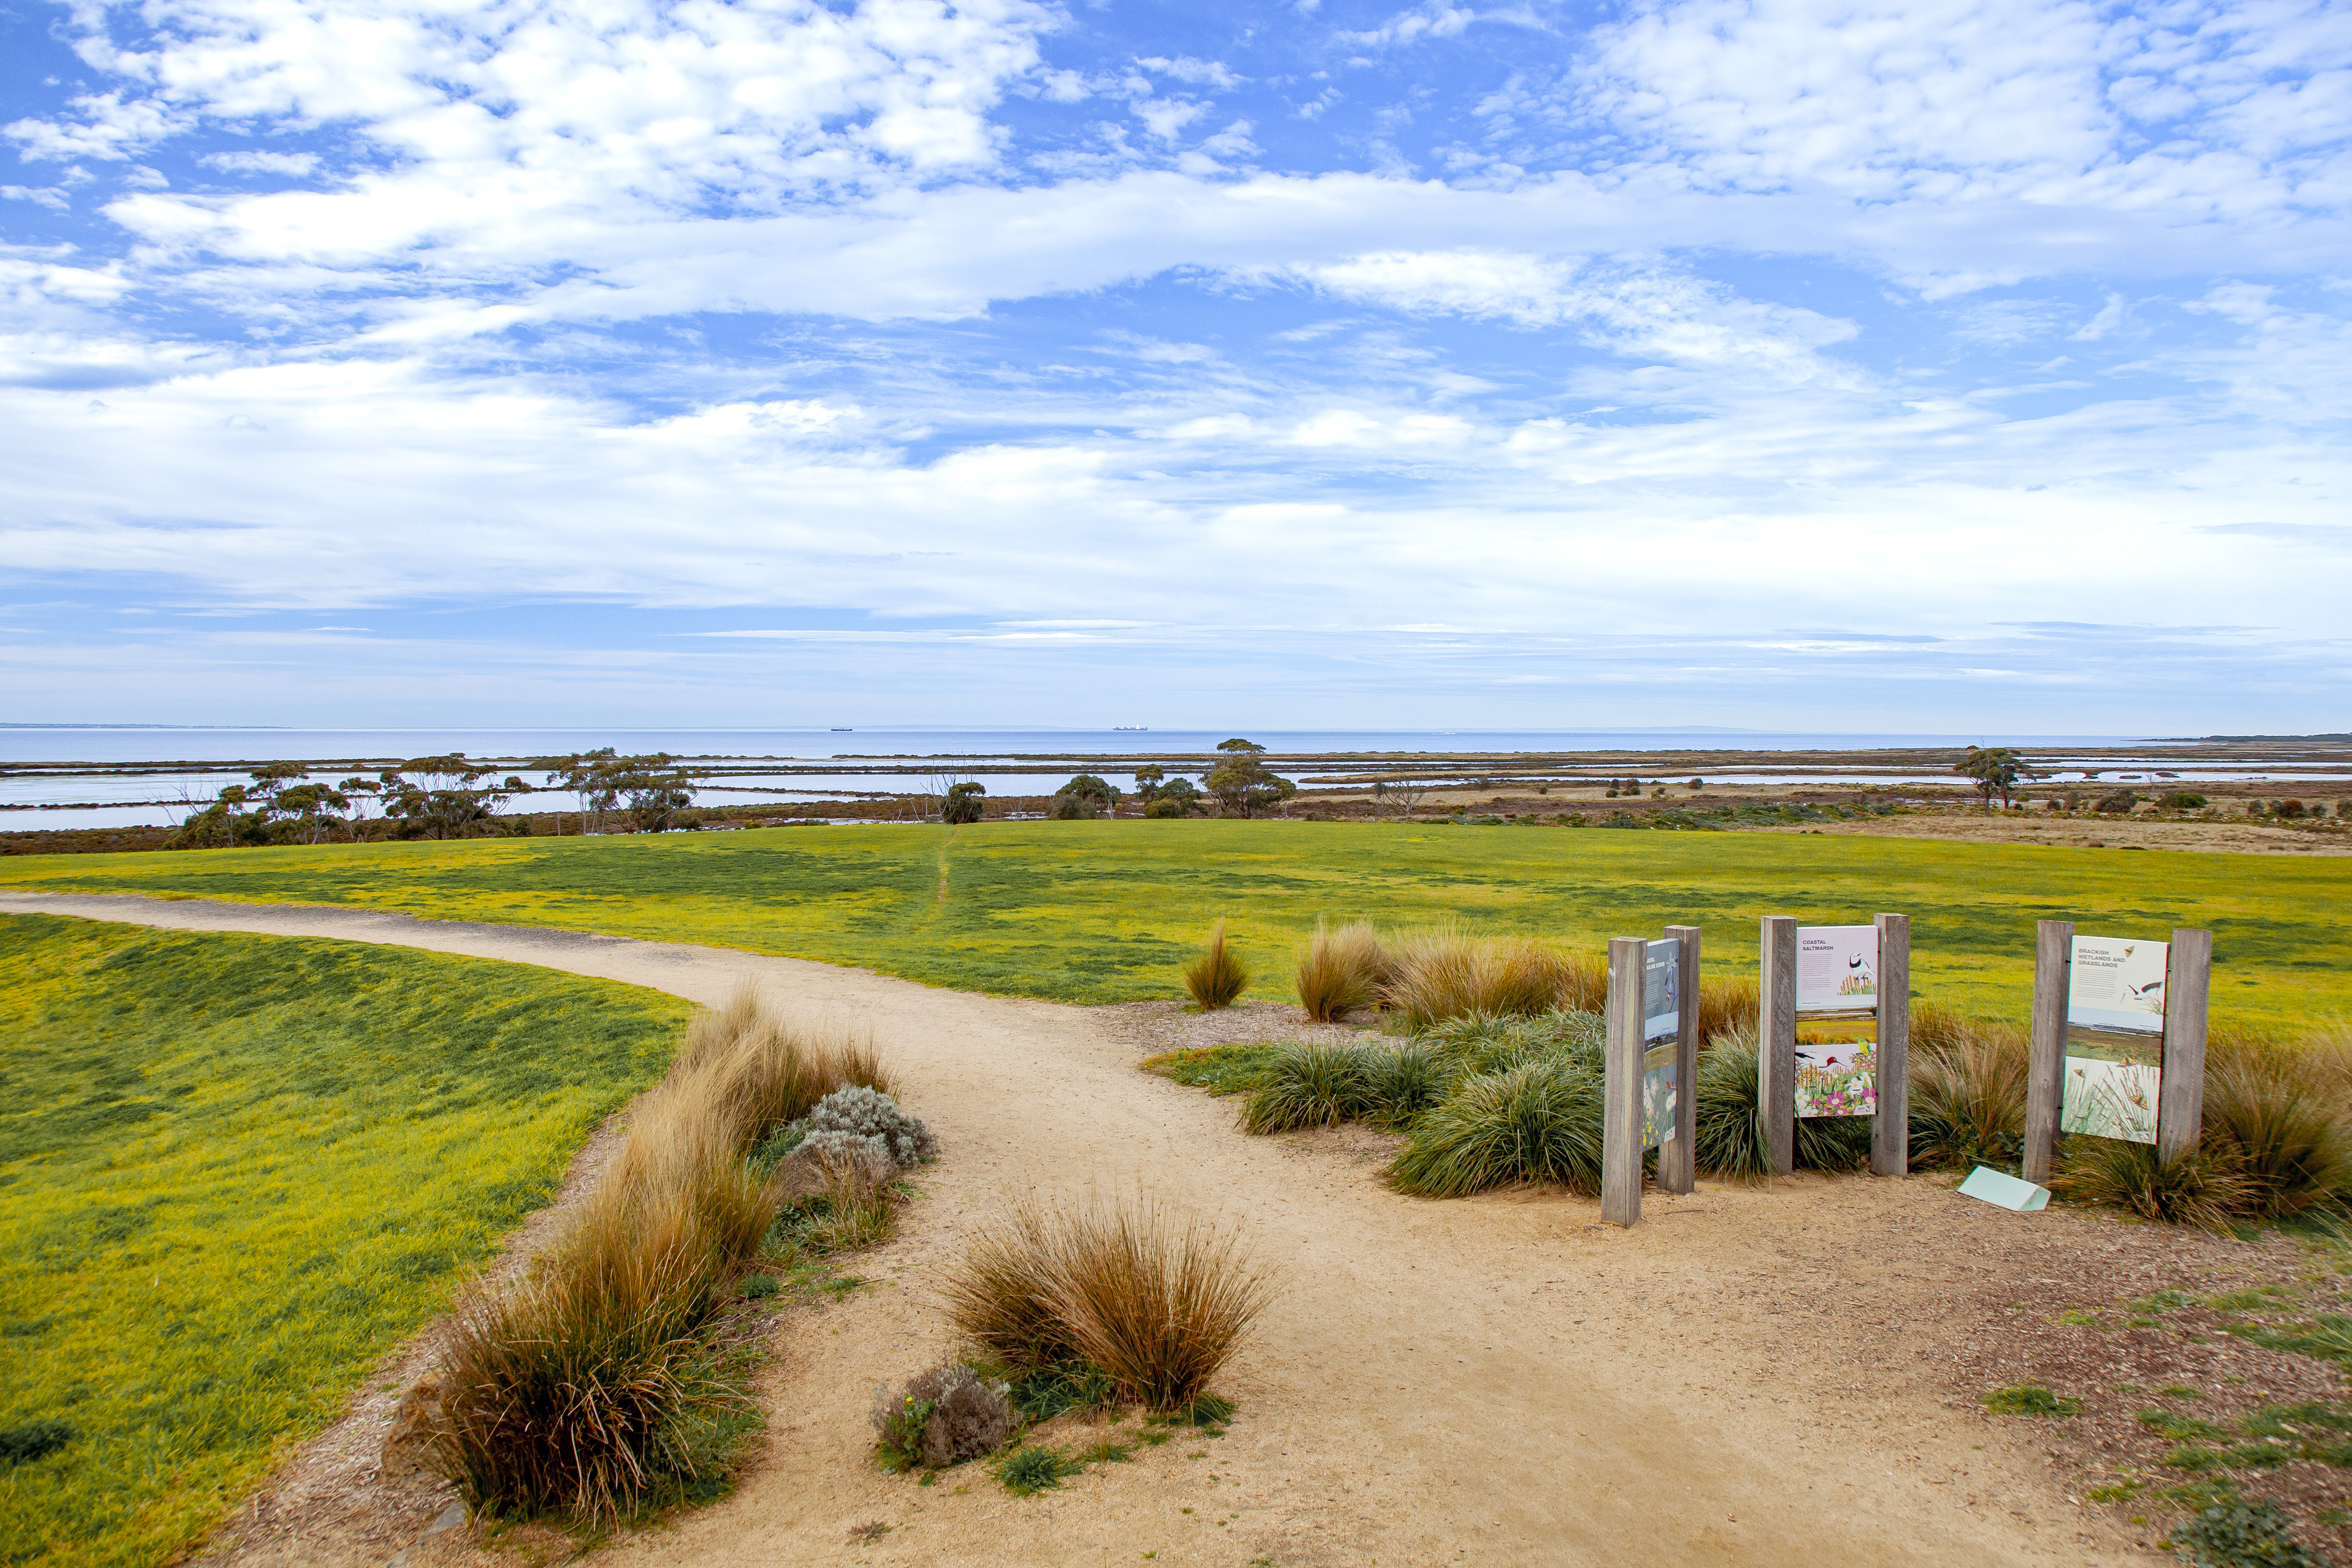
[2045, 1058]
[1890, 1128]
[1621, 1110]
[1776, 1075]
[1678, 1159]
[2180, 1088]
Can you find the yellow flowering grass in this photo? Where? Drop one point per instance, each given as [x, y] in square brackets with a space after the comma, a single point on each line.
[1111, 911]
[234, 1172]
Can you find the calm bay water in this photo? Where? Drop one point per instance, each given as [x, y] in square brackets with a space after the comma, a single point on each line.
[64, 761]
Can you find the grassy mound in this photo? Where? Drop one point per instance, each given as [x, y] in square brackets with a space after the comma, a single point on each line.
[238, 1169]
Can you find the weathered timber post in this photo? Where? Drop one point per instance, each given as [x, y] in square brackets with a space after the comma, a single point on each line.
[1678, 1159]
[2181, 1083]
[1776, 1077]
[1890, 1128]
[2045, 1059]
[1621, 1114]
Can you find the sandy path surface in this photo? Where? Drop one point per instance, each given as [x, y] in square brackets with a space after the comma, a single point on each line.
[1751, 1376]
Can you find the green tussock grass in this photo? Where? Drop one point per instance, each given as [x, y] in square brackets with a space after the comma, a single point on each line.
[1113, 912]
[234, 1172]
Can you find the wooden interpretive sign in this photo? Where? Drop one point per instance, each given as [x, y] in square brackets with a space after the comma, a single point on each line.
[1835, 1033]
[1677, 1159]
[2118, 1045]
[1651, 1068]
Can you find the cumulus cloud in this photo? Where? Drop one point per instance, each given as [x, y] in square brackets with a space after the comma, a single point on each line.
[976, 312]
[2209, 108]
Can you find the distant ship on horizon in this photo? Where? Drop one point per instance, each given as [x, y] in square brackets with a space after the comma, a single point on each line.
[842, 730]
[1132, 729]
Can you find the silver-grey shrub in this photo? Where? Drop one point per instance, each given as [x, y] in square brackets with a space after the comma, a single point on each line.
[859, 1112]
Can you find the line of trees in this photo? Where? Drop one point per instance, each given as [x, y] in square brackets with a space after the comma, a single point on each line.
[447, 796]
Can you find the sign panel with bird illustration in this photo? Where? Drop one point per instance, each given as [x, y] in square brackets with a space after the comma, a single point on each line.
[2114, 1038]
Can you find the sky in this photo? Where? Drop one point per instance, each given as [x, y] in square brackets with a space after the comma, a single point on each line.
[1858, 365]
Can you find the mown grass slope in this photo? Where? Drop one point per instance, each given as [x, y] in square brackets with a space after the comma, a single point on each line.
[1103, 911]
[234, 1170]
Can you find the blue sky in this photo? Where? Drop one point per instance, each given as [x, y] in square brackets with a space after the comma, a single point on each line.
[1811, 364]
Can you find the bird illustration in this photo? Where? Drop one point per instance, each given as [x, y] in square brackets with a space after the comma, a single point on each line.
[2147, 993]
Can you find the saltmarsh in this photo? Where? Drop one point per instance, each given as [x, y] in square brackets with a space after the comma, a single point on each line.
[1109, 910]
[234, 1170]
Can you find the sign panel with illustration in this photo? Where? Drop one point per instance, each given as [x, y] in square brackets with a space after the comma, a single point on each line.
[1662, 1028]
[1837, 969]
[1837, 1078]
[2114, 1038]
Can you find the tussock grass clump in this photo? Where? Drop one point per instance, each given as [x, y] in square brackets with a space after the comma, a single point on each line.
[1158, 1303]
[1445, 974]
[998, 1296]
[1968, 1092]
[1340, 971]
[588, 1388]
[594, 1385]
[2278, 1116]
[1313, 1086]
[2198, 1188]
[1729, 1130]
[1218, 977]
[1538, 1121]
[1477, 1042]
[1404, 1082]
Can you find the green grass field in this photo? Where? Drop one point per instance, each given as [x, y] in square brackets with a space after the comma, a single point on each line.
[234, 1170]
[1101, 912]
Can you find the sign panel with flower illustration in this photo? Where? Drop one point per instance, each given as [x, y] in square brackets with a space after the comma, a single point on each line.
[1662, 1027]
[2114, 1038]
[1837, 1078]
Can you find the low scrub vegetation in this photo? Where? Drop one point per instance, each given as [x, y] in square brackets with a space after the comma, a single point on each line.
[1488, 1100]
[238, 1170]
[600, 1382]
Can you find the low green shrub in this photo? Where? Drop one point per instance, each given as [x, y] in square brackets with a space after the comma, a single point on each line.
[1041, 1393]
[1729, 1138]
[1032, 1469]
[941, 1417]
[2029, 1399]
[1220, 1069]
[2239, 1534]
[1538, 1121]
[1218, 977]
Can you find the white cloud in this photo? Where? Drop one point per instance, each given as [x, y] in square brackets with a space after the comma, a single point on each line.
[1641, 312]
[1990, 99]
[293, 163]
